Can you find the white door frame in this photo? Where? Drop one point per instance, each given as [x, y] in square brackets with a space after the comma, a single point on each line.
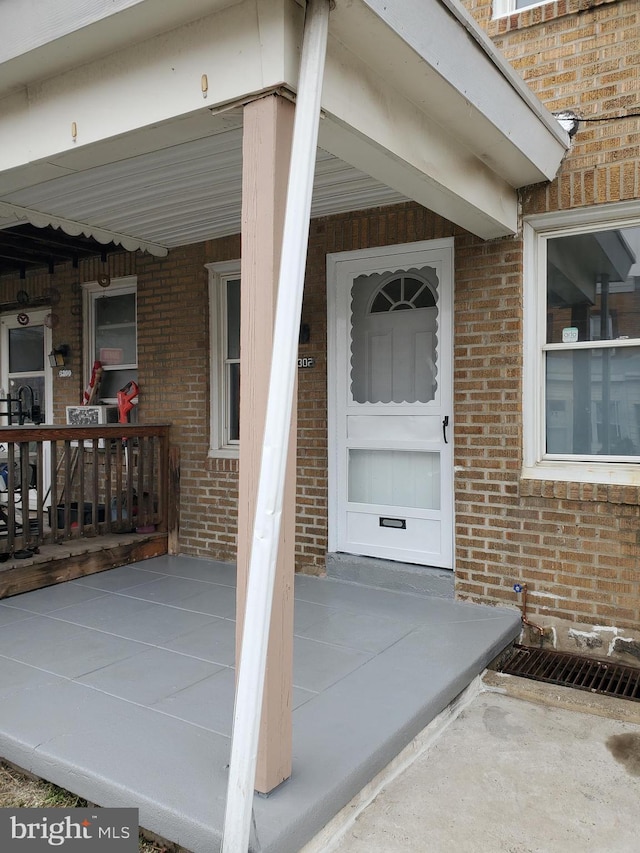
[360, 262]
[36, 318]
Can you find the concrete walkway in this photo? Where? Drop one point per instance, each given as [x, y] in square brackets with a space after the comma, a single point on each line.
[511, 776]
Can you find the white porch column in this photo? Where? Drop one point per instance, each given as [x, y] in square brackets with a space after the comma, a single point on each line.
[268, 128]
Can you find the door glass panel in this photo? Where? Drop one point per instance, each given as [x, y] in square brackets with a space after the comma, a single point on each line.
[26, 386]
[394, 337]
[26, 349]
[403, 478]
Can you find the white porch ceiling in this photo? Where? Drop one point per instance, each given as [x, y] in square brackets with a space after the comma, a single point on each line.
[184, 193]
[107, 121]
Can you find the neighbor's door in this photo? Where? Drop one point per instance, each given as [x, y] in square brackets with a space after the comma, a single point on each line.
[390, 406]
[24, 349]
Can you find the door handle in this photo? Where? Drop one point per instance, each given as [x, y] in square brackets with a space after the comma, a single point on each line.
[445, 424]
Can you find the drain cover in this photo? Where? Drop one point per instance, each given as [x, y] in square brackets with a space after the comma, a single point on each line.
[596, 676]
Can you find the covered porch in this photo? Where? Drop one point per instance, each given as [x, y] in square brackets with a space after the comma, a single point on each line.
[119, 687]
[401, 100]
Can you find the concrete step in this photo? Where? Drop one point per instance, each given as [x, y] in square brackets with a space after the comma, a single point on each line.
[388, 574]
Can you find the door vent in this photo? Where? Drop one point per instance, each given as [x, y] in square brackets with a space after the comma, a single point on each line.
[596, 676]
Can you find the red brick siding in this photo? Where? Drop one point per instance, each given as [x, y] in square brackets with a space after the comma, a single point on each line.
[173, 359]
[576, 545]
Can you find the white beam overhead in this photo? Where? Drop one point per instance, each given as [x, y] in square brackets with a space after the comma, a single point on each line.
[414, 96]
[40, 40]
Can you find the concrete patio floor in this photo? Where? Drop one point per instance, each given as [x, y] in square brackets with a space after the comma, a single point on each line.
[119, 687]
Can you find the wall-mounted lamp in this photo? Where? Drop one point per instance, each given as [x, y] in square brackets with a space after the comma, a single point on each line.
[58, 355]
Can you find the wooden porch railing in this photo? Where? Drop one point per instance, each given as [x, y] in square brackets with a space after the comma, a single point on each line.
[66, 482]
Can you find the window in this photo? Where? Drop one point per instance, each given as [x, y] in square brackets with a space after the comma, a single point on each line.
[507, 7]
[224, 325]
[582, 347]
[111, 324]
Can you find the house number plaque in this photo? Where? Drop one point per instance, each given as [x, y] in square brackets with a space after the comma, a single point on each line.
[307, 361]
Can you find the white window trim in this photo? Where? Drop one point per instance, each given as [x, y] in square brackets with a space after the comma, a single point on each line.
[219, 274]
[508, 7]
[536, 230]
[90, 291]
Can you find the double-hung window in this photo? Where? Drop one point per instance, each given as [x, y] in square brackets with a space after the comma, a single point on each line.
[582, 347]
[224, 326]
[111, 326]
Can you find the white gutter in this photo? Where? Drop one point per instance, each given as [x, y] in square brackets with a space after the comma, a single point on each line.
[264, 548]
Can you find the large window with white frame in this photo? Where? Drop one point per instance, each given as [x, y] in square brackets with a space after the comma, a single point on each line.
[110, 315]
[582, 346]
[224, 326]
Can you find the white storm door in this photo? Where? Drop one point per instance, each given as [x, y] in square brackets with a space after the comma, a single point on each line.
[390, 403]
[24, 349]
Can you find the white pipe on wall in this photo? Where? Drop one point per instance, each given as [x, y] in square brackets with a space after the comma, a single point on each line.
[266, 531]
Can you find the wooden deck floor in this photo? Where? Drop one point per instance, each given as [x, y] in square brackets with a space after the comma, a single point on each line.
[76, 558]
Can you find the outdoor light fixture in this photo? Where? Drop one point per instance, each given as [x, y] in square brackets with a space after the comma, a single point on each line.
[58, 355]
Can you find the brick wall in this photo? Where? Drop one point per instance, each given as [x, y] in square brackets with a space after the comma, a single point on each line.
[576, 545]
[173, 371]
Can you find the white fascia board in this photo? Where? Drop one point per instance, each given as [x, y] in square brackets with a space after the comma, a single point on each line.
[243, 50]
[41, 39]
[368, 124]
[433, 52]
[495, 215]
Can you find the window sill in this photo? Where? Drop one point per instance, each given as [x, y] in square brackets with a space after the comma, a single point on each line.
[224, 453]
[583, 481]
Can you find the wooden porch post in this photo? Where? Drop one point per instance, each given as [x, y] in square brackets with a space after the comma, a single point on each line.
[268, 129]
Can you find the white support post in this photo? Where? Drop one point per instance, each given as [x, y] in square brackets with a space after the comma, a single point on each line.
[264, 550]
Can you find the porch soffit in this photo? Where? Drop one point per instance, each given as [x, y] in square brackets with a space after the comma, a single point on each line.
[174, 196]
[397, 126]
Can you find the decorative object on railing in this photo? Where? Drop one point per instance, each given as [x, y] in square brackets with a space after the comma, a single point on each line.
[127, 398]
[91, 391]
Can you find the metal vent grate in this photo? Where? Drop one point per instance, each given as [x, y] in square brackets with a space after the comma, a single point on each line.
[597, 676]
